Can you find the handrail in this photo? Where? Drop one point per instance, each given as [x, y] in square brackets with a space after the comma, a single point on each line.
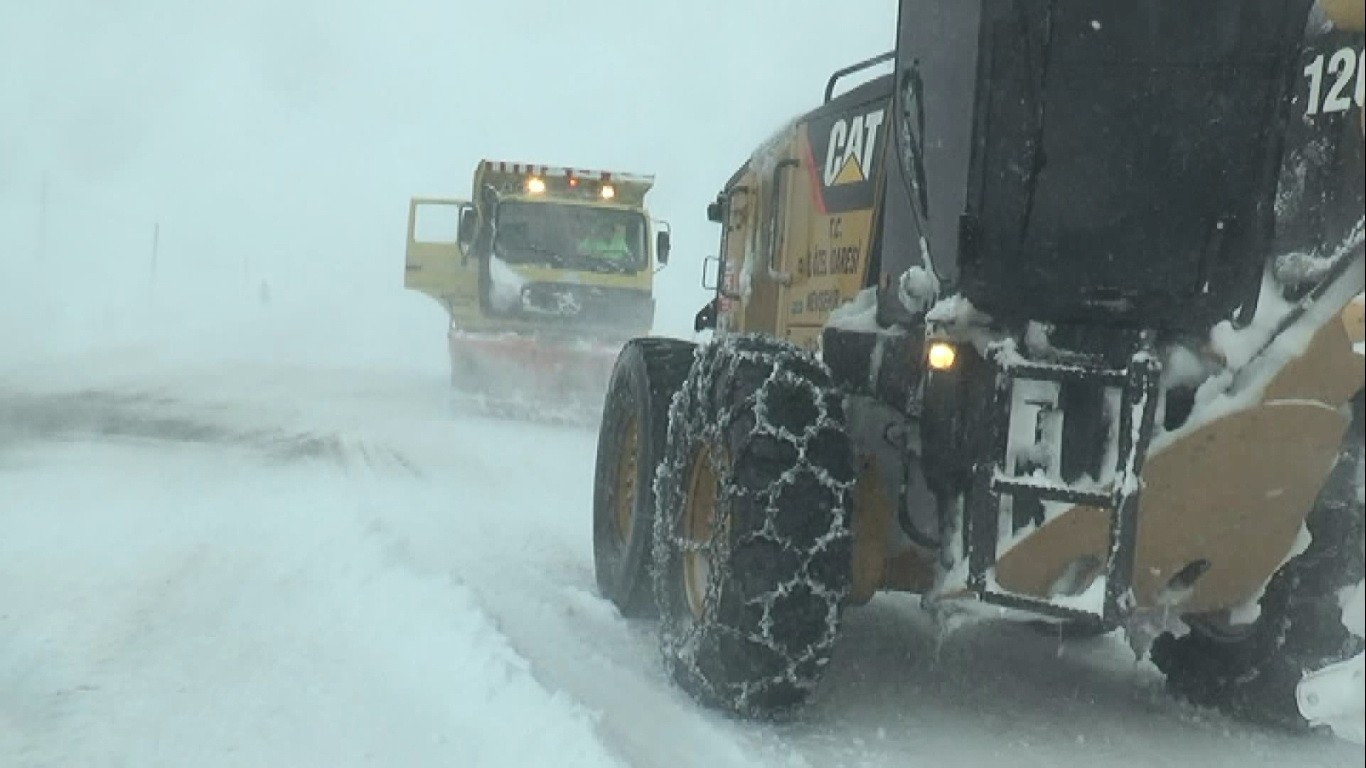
[778, 224]
[852, 68]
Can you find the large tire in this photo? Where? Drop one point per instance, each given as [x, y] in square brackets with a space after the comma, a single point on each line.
[753, 546]
[1252, 673]
[631, 436]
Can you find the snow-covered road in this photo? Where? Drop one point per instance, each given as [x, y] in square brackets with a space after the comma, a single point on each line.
[276, 565]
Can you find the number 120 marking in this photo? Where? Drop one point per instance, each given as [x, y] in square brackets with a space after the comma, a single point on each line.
[1344, 64]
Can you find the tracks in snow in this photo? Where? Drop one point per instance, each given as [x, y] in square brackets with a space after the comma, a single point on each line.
[137, 416]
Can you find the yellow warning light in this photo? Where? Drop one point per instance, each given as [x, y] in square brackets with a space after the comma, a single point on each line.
[942, 356]
[608, 191]
[535, 185]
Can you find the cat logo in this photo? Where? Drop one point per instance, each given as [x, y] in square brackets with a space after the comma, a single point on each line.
[852, 145]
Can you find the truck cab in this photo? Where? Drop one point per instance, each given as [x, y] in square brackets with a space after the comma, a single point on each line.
[540, 249]
[544, 272]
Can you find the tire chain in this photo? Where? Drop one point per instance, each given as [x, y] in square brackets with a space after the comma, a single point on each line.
[779, 379]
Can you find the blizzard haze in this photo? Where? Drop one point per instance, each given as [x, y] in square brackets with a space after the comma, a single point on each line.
[279, 142]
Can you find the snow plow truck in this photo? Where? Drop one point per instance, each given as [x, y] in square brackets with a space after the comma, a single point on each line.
[1061, 321]
[545, 273]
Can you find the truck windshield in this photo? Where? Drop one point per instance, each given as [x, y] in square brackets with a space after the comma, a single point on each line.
[571, 236]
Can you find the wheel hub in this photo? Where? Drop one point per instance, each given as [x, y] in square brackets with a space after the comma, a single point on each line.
[699, 518]
[626, 481]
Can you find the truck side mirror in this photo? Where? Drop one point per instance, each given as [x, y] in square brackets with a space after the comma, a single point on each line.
[714, 212]
[662, 247]
[468, 221]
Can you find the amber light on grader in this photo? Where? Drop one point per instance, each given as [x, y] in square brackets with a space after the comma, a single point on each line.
[942, 356]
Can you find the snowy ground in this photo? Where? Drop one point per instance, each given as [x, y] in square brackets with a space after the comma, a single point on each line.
[264, 555]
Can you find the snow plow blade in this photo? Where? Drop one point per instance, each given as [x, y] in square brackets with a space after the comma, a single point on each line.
[531, 378]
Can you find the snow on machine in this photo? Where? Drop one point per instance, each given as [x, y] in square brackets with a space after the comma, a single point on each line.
[545, 274]
[1061, 320]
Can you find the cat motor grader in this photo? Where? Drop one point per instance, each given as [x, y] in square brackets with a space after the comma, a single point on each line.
[544, 273]
[1016, 328]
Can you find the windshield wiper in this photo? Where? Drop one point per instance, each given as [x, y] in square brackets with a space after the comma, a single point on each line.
[612, 265]
[554, 258]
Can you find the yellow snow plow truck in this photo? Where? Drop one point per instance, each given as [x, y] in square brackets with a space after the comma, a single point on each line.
[545, 272]
[1061, 321]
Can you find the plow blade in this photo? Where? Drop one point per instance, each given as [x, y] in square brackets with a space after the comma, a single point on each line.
[531, 378]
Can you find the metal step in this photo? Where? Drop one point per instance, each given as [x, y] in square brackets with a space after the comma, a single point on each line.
[1064, 373]
[1047, 491]
[1137, 385]
[1043, 608]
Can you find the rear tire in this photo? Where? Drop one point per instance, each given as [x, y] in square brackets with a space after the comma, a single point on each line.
[631, 436]
[753, 547]
[1253, 673]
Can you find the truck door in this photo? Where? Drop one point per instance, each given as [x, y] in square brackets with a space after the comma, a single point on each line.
[437, 259]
